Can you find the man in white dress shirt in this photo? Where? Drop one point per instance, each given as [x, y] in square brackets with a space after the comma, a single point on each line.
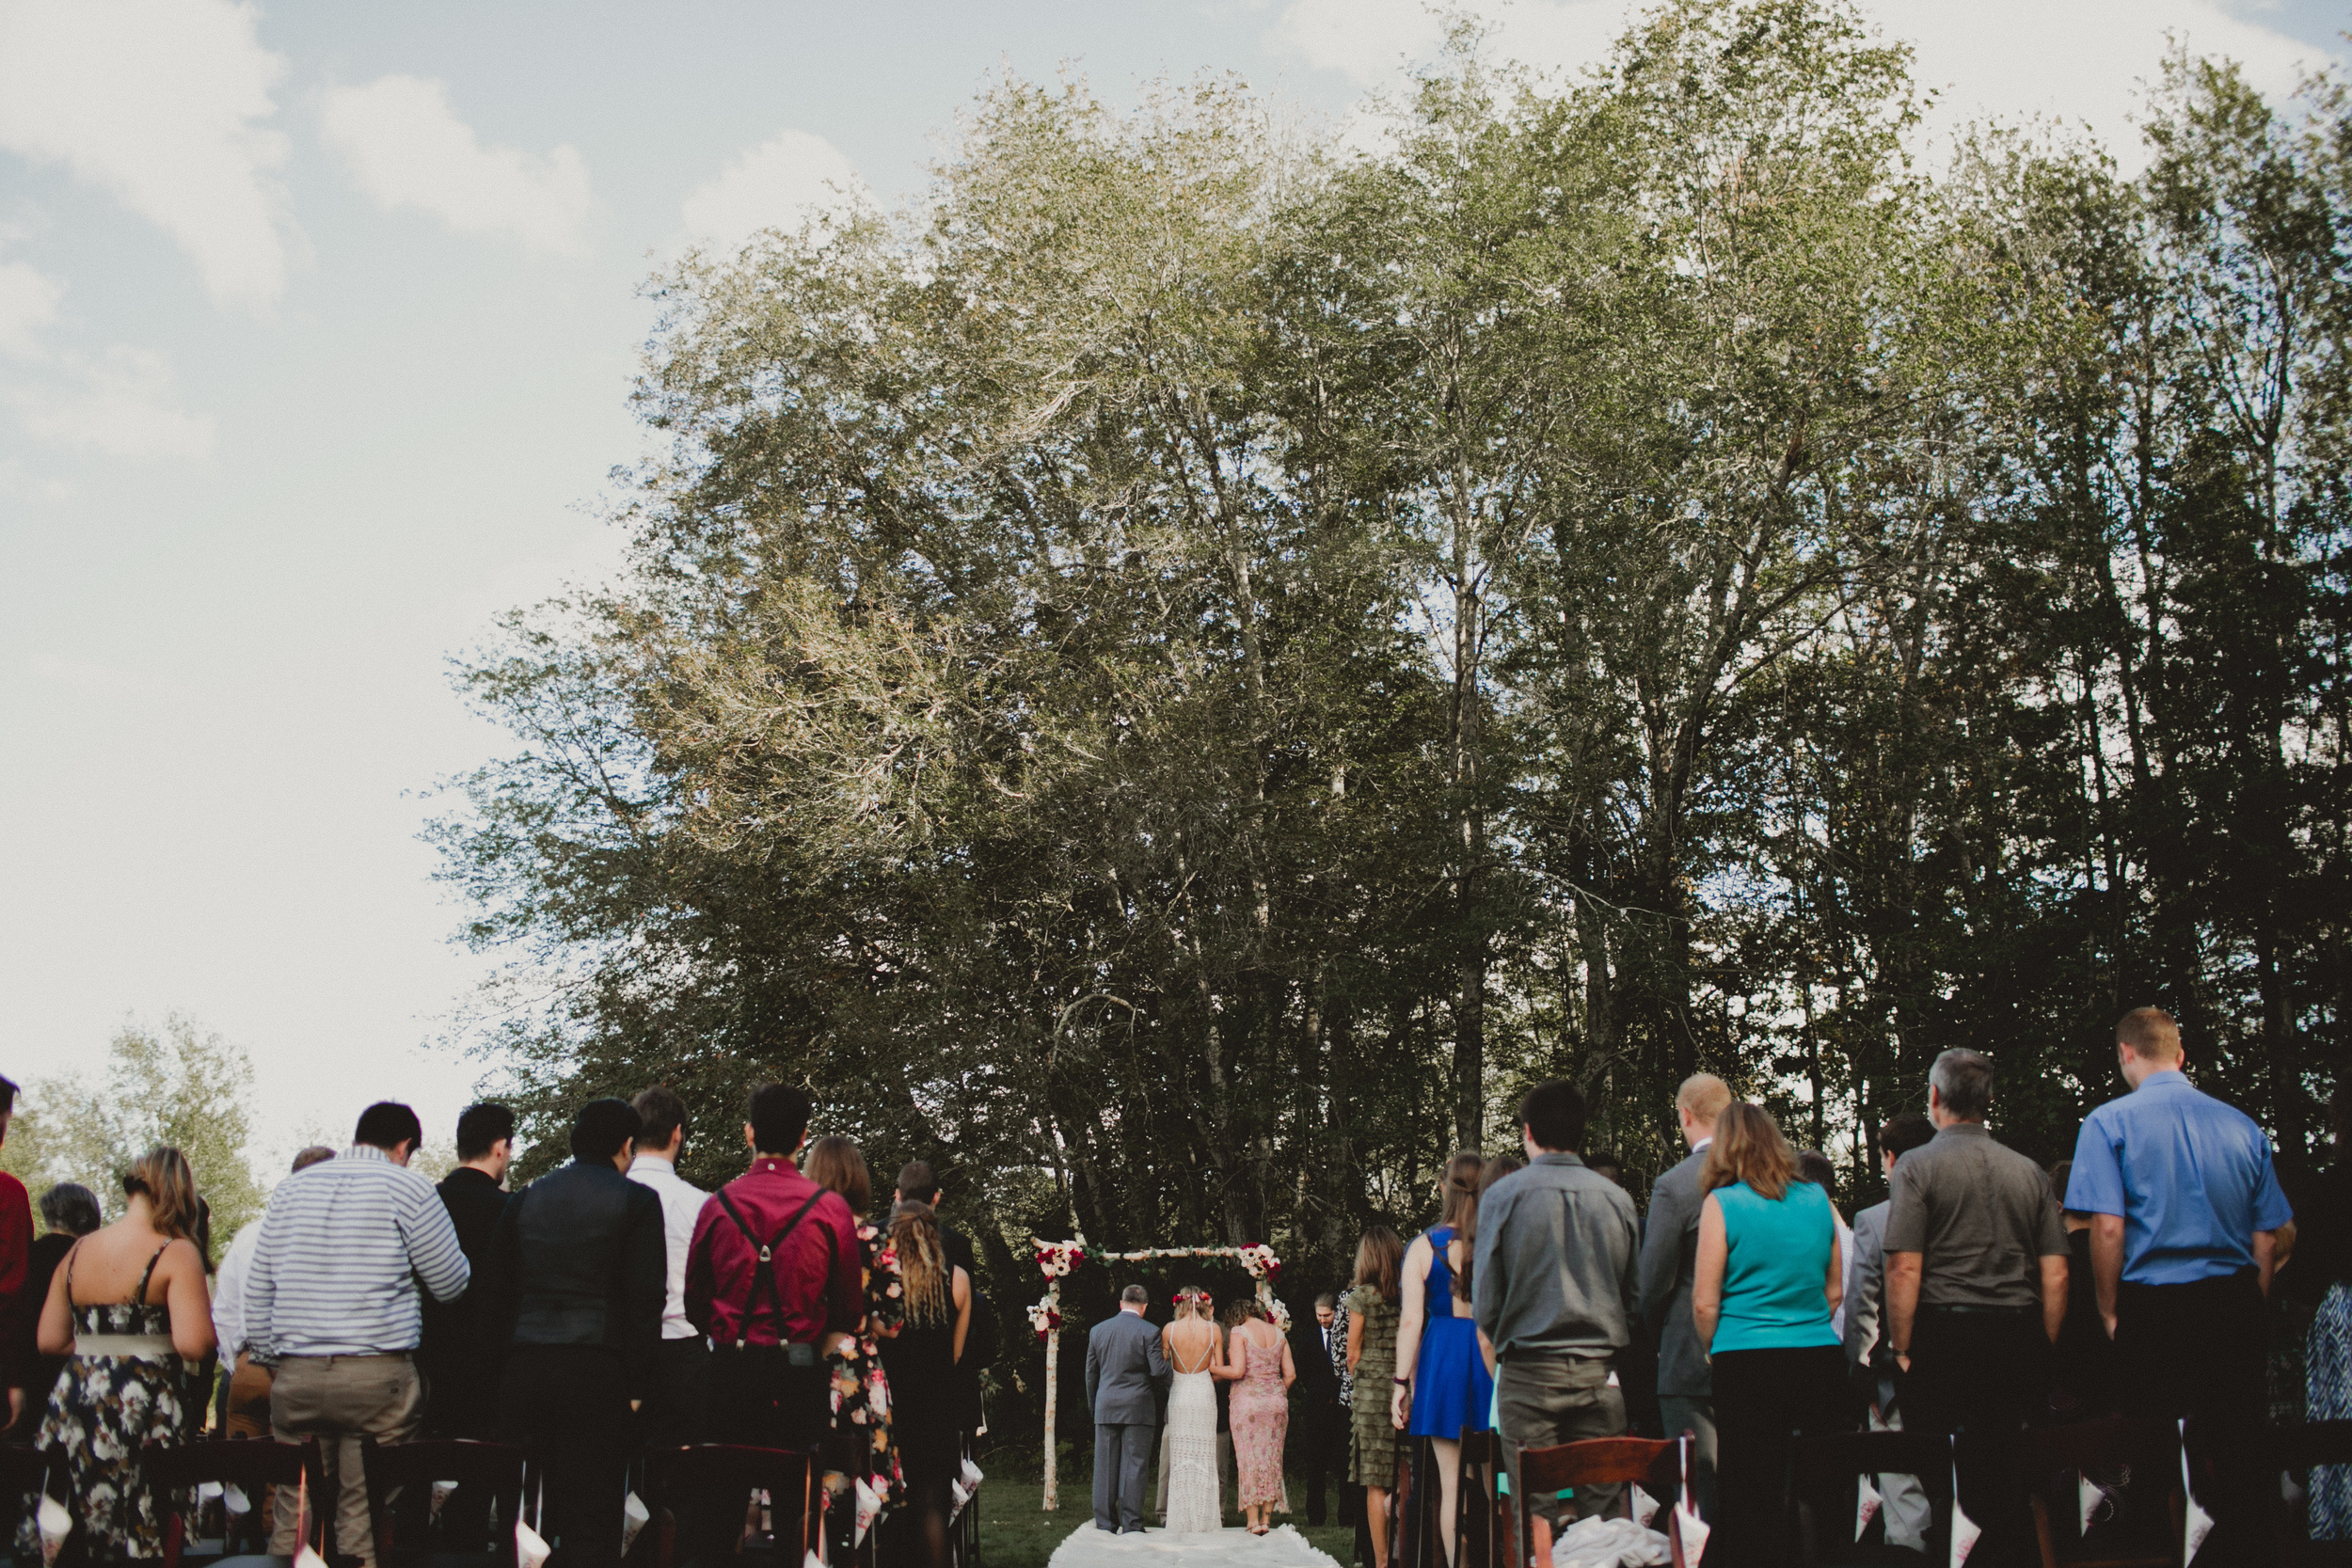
[674, 1416]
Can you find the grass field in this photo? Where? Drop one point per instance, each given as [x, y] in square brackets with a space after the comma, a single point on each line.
[1017, 1532]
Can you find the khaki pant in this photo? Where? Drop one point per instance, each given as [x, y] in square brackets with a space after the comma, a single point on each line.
[1544, 1400]
[340, 1399]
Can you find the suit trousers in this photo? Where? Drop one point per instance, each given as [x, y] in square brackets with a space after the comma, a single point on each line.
[2199, 1352]
[1981, 1376]
[1122, 1456]
[1696, 1415]
[677, 1409]
[1319, 1436]
[340, 1399]
[1544, 1400]
[569, 1406]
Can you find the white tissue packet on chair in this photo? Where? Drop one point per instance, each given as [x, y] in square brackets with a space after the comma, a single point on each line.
[972, 1476]
[531, 1549]
[1866, 1506]
[2196, 1524]
[958, 1495]
[1692, 1528]
[207, 1490]
[1609, 1543]
[811, 1559]
[308, 1559]
[2086, 1497]
[869, 1506]
[634, 1517]
[235, 1501]
[55, 1524]
[1645, 1508]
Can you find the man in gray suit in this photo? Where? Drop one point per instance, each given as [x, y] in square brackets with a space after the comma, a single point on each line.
[1123, 1365]
[1670, 1251]
[1868, 1353]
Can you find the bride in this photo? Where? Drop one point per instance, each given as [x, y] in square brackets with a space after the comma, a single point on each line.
[1193, 1345]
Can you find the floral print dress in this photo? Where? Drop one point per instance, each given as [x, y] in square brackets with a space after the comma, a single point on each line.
[861, 1445]
[103, 1411]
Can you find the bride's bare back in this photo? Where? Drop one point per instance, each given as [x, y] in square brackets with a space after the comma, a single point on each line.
[1191, 1344]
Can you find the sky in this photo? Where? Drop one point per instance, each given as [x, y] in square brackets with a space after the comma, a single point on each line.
[317, 326]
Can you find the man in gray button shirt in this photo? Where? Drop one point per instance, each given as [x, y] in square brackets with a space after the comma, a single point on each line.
[1555, 1293]
[1976, 1290]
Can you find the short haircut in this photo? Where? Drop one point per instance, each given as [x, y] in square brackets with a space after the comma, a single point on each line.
[480, 1127]
[1702, 1095]
[388, 1124]
[601, 1127]
[1814, 1166]
[918, 1183]
[161, 1173]
[1553, 1115]
[1904, 1132]
[71, 1208]
[660, 1113]
[2151, 1033]
[1604, 1161]
[1134, 1295]
[1328, 1299]
[1963, 1080]
[779, 1116]
[7, 1096]
[834, 1163]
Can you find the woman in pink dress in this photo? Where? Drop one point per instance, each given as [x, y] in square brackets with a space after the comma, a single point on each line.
[1258, 1364]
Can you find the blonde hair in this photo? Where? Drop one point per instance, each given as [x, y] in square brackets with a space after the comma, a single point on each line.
[922, 1264]
[1748, 1148]
[161, 1173]
[1704, 1096]
[2151, 1033]
[1192, 1301]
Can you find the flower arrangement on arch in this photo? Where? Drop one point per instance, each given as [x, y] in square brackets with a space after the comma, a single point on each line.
[1260, 1261]
[1055, 1260]
[1046, 1318]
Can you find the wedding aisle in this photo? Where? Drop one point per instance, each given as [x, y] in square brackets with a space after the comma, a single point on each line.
[1284, 1548]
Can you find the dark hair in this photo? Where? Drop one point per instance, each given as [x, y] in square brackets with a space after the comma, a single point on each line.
[1904, 1132]
[387, 1125]
[1328, 1299]
[1380, 1260]
[7, 1096]
[1460, 1211]
[481, 1126]
[660, 1113]
[1963, 1080]
[779, 1116]
[162, 1173]
[1496, 1168]
[203, 1237]
[917, 1182]
[1553, 1115]
[2060, 1174]
[1814, 1166]
[317, 1154]
[71, 1208]
[834, 1163]
[601, 1127]
[1603, 1160]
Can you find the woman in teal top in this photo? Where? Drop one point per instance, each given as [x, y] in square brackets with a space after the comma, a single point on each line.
[1768, 1277]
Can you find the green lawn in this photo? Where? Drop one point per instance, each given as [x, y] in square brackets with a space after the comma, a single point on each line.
[1017, 1532]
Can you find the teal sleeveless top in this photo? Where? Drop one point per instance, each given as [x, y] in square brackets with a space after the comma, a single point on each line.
[1776, 1269]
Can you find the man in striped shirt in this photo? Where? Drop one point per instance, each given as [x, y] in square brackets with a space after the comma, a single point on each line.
[331, 1301]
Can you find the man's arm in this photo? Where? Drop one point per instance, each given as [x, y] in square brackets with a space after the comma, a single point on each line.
[700, 1276]
[2266, 1257]
[1863, 1325]
[1158, 1360]
[2106, 1264]
[1903, 1302]
[1661, 1254]
[1094, 1369]
[2054, 1283]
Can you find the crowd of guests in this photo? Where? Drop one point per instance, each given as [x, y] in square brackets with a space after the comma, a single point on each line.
[605, 1309]
[1984, 1294]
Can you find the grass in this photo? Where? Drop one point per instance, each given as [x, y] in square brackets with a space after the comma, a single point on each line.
[1017, 1532]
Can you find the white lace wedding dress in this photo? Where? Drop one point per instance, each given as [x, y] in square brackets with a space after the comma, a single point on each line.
[1195, 1503]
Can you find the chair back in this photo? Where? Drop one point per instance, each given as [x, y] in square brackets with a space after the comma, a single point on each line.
[680, 1477]
[2056, 1459]
[492, 1468]
[1819, 1464]
[1654, 1464]
[253, 1467]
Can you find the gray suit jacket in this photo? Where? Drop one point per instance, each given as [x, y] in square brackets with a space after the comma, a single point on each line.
[1670, 1251]
[1124, 1366]
[1866, 1298]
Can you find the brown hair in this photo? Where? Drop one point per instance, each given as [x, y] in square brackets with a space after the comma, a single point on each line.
[1748, 1148]
[162, 1173]
[1379, 1260]
[833, 1162]
[1462, 1175]
[1497, 1167]
[922, 1264]
[2151, 1033]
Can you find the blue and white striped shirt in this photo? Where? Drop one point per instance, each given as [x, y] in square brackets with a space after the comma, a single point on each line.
[344, 1246]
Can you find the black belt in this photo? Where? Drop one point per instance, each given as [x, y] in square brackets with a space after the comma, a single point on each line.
[794, 1355]
[1984, 1311]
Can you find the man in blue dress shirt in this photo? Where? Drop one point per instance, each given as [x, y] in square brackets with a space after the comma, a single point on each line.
[2186, 1216]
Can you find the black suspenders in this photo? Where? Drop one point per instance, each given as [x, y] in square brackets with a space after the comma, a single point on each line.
[767, 1251]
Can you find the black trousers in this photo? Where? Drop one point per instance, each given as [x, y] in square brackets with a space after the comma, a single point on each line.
[1761, 1398]
[1319, 1448]
[569, 1406]
[1982, 1375]
[761, 1397]
[677, 1410]
[2199, 1352]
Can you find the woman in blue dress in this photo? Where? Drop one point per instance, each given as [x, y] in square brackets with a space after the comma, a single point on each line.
[1444, 1368]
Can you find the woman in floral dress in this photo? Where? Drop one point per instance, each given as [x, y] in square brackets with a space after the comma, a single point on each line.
[1258, 1363]
[127, 1308]
[861, 1444]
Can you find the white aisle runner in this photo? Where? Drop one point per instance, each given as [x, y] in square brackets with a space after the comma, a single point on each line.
[1284, 1547]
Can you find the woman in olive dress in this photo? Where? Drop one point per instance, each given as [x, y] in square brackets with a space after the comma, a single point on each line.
[1373, 1314]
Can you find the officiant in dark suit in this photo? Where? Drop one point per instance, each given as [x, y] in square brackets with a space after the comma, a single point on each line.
[1125, 1367]
[1318, 1420]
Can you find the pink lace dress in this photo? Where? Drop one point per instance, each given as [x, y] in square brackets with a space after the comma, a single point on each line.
[1261, 1411]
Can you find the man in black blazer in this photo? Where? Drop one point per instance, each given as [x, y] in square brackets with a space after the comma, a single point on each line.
[1318, 1421]
[459, 1364]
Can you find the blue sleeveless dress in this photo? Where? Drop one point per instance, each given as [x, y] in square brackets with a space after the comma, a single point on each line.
[1451, 1387]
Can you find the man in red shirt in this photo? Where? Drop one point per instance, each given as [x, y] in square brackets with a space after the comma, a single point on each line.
[18, 1315]
[773, 1275]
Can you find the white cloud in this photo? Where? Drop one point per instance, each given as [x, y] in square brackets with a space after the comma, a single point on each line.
[121, 405]
[406, 147]
[160, 102]
[791, 176]
[28, 301]
[2073, 60]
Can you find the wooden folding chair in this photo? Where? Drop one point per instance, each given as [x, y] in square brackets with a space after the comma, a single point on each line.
[1657, 1466]
[253, 1466]
[679, 1481]
[492, 1473]
[1817, 1464]
[2055, 1458]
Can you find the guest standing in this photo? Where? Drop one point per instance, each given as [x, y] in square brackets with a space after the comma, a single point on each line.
[2322, 1271]
[1443, 1385]
[1814, 1166]
[16, 1253]
[70, 1212]
[2185, 1212]
[1557, 1294]
[247, 1411]
[1868, 1358]
[1669, 1264]
[919, 1184]
[1975, 1291]
[331, 1305]
[861, 1447]
[1765, 1281]
[1258, 1364]
[677, 1409]
[127, 1308]
[1319, 1351]
[1125, 1363]
[921, 1359]
[2082, 1367]
[459, 1355]
[1372, 1321]
[572, 1295]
